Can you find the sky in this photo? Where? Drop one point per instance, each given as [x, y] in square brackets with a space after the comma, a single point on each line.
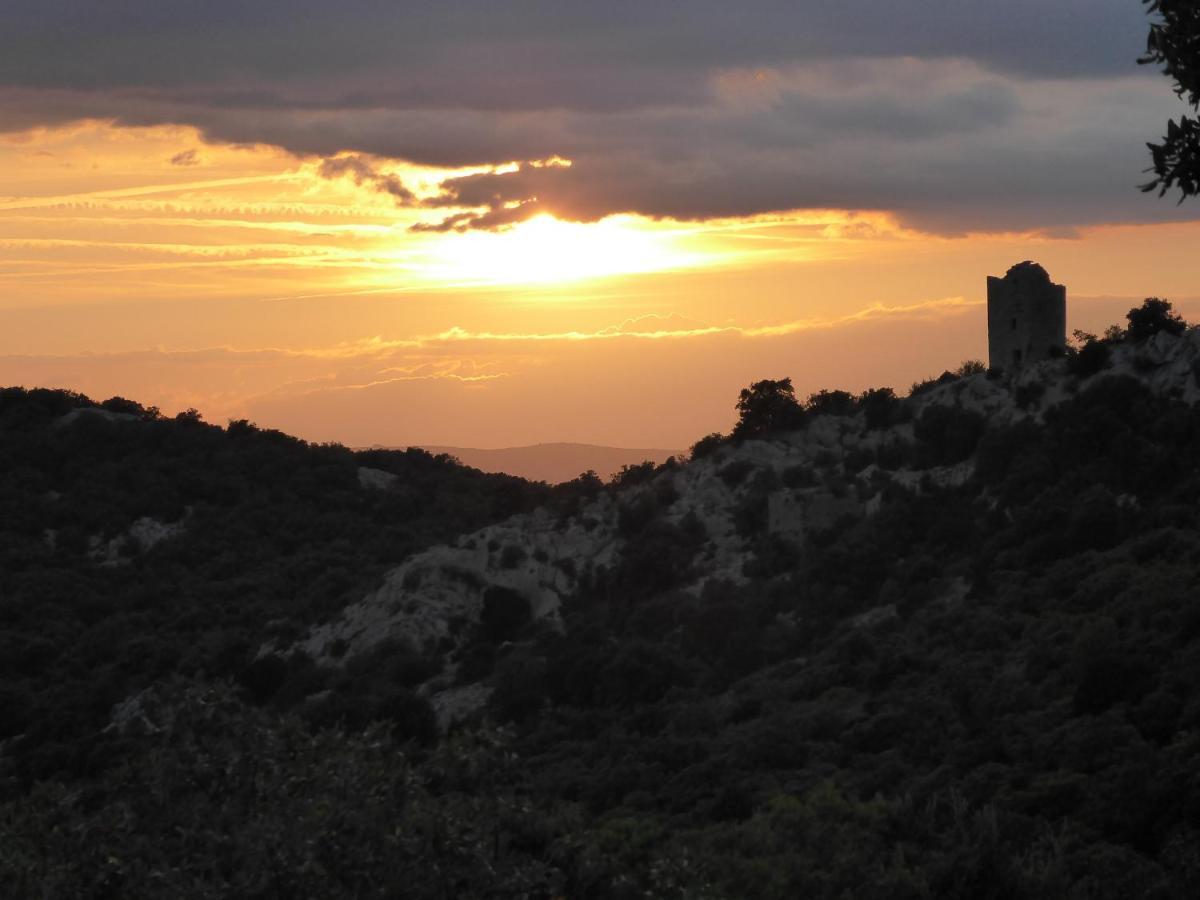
[490, 224]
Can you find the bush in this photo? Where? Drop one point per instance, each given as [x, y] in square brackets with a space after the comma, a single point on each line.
[1153, 316]
[734, 473]
[505, 612]
[1089, 359]
[948, 434]
[881, 407]
[707, 445]
[831, 403]
[512, 556]
[766, 408]
[922, 387]
[1029, 393]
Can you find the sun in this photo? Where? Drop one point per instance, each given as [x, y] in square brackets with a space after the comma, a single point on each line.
[545, 249]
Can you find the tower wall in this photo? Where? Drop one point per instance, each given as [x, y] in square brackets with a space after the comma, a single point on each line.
[1027, 317]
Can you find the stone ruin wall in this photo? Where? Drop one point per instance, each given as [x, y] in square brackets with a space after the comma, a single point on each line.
[1027, 317]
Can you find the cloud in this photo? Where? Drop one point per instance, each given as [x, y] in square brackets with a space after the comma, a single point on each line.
[254, 48]
[364, 173]
[186, 158]
[964, 116]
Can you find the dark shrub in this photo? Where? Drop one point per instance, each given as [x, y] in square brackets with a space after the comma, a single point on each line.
[512, 556]
[799, 476]
[638, 473]
[734, 473]
[264, 677]
[922, 387]
[1091, 358]
[520, 682]
[768, 407]
[636, 513]
[1153, 316]
[831, 403]
[1106, 680]
[505, 613]
[122, 406]
[948, 434]
[707, 445]
[881, 407]
[412, 717]
[1030, 393]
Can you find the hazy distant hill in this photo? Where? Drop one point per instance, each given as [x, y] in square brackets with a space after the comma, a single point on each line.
[556, 462]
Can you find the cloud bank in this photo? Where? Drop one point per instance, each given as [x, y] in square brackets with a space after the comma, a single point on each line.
[958, 115]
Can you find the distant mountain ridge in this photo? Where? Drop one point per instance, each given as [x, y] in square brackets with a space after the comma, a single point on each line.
[554, 462]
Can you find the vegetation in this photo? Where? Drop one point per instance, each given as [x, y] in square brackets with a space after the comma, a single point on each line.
[984, 689]
[272, 535]
[1152, 317]
[766, 408]
[1174, 44]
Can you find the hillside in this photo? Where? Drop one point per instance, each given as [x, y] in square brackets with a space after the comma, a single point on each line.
[554, 462]
[942, 645]
[135, 548]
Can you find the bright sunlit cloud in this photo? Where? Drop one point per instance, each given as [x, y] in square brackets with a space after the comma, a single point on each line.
[545, 250]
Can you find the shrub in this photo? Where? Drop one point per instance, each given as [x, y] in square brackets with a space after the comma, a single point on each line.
[707, 445]
[638, 473]
[831, 403]
[799, 476]
[768, 407]
[948, 434]
[1029, 393]
[264, 677]
[734, 473]
[512, 556]
[1153, 316]
[1089, 359]
[881, 407]
[921, 387]
[505, 612]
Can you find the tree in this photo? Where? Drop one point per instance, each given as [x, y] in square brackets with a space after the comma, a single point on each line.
[767, 407]
[1153, 316]
[707, 445]
[1174, 42]
[881, 407]
[832, 403]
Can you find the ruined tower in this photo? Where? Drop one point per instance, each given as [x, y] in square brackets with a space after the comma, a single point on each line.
[1027, 317]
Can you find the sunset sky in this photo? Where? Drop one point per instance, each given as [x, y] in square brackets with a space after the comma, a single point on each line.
[496, 223]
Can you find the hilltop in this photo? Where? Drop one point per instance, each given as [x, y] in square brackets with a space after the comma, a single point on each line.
[938, 645]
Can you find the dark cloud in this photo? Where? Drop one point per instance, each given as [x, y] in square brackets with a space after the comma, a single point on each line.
[80, 43]
[186, 158]
[364, 172]
[959, 114]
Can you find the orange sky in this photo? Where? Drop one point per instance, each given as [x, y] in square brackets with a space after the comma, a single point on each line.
[247, 281]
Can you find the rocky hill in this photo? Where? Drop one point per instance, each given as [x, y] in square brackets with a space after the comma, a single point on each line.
[940, 645]
[837, 469]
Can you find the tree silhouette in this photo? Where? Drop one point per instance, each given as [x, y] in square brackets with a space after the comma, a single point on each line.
[767, 407]
[1174, 42]
[1153, 316]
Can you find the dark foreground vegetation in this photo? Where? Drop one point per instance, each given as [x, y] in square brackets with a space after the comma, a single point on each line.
[986, 690]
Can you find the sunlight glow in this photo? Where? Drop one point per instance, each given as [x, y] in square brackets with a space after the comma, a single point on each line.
[545, 249]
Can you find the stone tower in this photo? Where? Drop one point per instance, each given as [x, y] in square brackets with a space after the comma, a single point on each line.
[1027, 317]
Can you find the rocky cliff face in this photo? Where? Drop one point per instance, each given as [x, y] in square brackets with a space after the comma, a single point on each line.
[789, 488]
